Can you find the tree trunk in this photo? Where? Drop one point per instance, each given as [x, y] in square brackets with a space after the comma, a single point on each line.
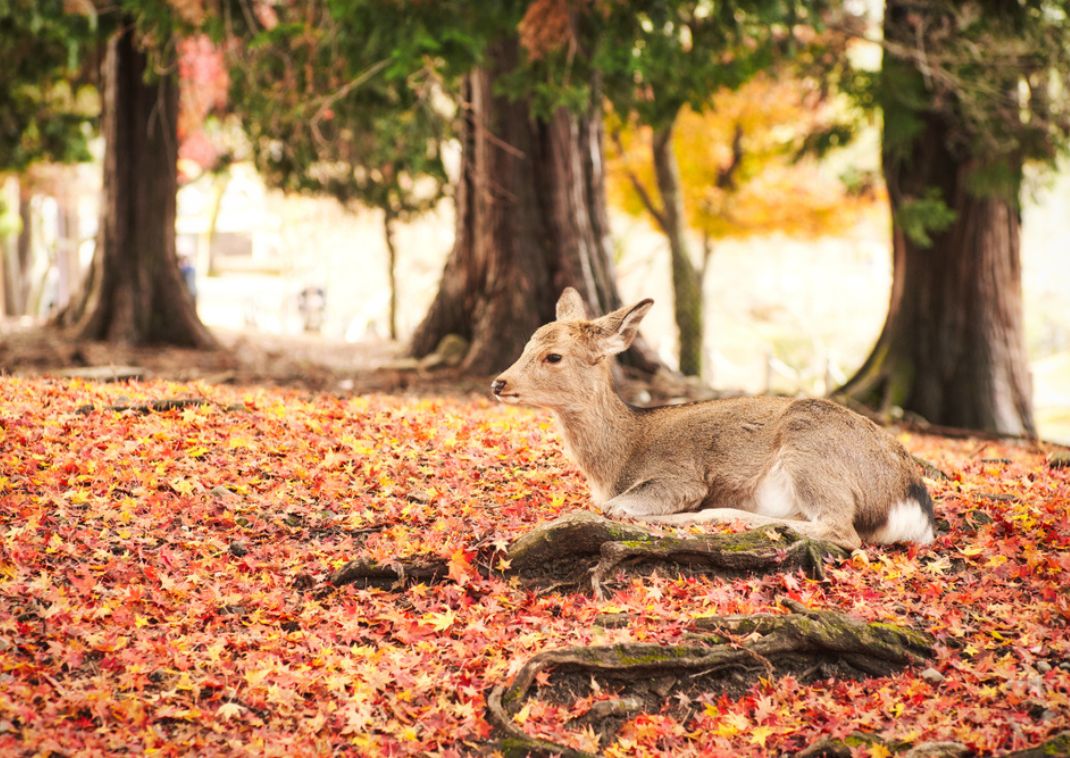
[66, 245]
[17, 267]
[391, 271]
[953, 347]
[134, 293]
[531, 220]
[686, 277]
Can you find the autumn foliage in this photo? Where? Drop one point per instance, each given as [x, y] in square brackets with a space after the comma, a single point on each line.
[164, 586]
[744, 166]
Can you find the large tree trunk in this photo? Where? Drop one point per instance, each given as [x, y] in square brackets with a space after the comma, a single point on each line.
[686, 277]
[953, 348]
[134, 293]
[531, 220]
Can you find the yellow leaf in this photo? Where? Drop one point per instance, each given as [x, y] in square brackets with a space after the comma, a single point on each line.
[228, 711]
[408, 734]
[759, 734]
[440, 622]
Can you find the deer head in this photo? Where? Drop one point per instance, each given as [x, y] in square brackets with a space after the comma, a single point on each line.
[565, 362]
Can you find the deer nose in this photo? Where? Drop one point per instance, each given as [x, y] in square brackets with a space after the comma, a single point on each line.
[498, 386]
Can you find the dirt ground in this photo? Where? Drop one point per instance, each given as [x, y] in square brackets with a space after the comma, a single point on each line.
[309, 361]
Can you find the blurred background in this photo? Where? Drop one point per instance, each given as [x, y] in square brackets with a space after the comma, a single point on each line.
[786, 213]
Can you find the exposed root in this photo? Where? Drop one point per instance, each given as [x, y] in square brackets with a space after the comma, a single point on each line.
[1057, 744]
[581, 550]
[573, 536]
[155, 406]
[388, 576]
[734, 643]
[515, 742]
[930, 470]
[775, 548]
[584, 547]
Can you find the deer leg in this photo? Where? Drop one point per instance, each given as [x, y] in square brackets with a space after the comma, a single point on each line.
[648, 499]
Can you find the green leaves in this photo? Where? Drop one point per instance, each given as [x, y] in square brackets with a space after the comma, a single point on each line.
[998, 74]
[919, 217]
[43, 113]
[346, 99]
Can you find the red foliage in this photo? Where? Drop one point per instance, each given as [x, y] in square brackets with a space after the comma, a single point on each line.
[163, 585]
[203, 84]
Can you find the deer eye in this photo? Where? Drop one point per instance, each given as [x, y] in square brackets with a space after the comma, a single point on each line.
[553, 358]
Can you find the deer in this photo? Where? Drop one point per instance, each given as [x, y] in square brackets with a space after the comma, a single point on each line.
[810, 464]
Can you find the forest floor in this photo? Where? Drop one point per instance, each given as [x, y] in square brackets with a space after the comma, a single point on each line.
[169, 554]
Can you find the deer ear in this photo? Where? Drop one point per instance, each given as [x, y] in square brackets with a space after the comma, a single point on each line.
[570, 306]
[622, 325]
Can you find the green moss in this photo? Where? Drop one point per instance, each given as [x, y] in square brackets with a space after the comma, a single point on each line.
[1059, 745]
[626, 535]
[631, 655]
[911, 637]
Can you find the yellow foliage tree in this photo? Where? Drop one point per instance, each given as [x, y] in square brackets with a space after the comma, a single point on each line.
[744, 165]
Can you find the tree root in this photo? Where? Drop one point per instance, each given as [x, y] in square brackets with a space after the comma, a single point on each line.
[930, 469]
[762, 550]
[870, 648]
[154, 406]
[588, 549]
[584, 550]
[388, 576]
[576, 535]
[1057, 744]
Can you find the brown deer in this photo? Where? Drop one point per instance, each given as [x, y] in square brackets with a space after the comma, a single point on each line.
[813, 465]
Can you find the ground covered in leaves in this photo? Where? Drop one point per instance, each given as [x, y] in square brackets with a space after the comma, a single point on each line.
[165, 587]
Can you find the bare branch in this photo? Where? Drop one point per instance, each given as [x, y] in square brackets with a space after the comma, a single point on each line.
[640, 190]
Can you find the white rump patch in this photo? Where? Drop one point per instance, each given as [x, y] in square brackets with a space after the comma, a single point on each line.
[907, 522]
[775, 496]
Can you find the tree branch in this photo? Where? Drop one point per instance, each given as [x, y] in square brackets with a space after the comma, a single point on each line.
[640, 190]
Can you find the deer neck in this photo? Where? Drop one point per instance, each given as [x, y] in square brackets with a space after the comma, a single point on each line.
[599, 437]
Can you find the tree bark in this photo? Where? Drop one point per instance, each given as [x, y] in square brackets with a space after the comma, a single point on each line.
[686, 277]
[953, 347]
[391, 270]
[134, 293]
[531, 220]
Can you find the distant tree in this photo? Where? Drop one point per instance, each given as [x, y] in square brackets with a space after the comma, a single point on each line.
[969, 92]
[48, 105]
[747, 166]
[329, 112]
[134, 293]
[531, 207]
[657, 58]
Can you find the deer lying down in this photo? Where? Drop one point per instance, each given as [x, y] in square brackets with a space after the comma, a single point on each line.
[812, 465]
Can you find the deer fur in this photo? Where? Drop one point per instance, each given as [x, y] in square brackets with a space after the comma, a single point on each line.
[810, 464]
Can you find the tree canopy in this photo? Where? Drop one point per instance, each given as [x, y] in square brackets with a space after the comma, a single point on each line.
[48, 101]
